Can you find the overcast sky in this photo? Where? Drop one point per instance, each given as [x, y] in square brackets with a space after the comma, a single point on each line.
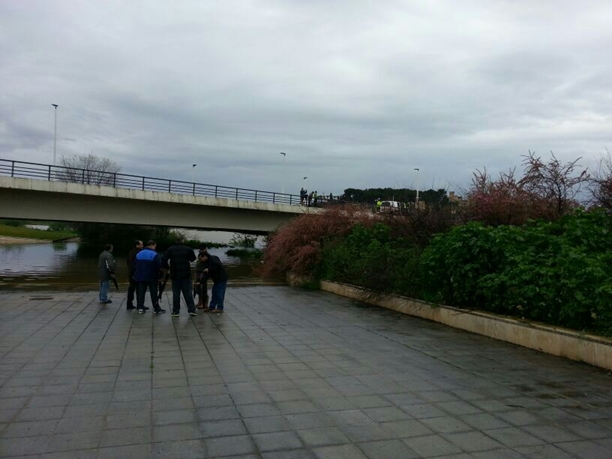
[357, 93]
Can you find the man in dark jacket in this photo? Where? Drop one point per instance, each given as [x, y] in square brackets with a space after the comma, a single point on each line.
[131, 260]
[177, 258]
[146, 272]
[106, 271]
[200, 286]
[215, 270]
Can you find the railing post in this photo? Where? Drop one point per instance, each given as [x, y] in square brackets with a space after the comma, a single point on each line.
[115, 180]
[194, 188]
[290, 199]
[49, 173]
[273, 198]
[255, 195]
[143, 184]
[216, 187]
[83, 179]
[12, 168]
[236, 193]
[169, 186]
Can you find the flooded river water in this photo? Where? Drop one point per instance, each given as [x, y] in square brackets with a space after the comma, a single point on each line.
[62, 266]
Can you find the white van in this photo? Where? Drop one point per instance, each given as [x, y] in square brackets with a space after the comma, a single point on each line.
[392, 206]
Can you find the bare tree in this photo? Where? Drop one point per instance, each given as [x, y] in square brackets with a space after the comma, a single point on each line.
[553, 183]
[499, 202]
[546, 190]
[601, 183]
[88, 169]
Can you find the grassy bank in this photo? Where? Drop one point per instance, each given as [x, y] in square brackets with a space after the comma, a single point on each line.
[30, 233]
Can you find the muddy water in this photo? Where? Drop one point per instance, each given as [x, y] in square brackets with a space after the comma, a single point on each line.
[65, 267]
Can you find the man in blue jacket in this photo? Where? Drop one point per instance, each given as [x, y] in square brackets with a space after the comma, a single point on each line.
[147, 266]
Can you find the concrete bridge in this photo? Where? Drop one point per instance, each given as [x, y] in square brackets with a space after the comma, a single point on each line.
[52, 194]
[28, 199]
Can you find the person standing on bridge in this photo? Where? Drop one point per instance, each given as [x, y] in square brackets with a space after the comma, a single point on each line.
[106, 271]
[131, 264]
[146, 272]
[178, 258]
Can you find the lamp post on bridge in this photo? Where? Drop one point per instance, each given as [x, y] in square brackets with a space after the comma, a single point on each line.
[416, 200]
[283, 169]
[55, 136]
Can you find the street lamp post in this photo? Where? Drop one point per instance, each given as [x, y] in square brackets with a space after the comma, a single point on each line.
[283, 168]
[193, 173]
[416, 200]
[55, 136]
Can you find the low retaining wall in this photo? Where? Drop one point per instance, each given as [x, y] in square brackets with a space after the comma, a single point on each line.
[561, 342]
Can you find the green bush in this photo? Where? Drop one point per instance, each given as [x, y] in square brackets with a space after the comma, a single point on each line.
[13, 223]
[371, 258]
[557, 272]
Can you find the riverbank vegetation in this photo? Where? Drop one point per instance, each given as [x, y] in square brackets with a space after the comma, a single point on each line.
[530, 246]
[21, 231]
[244, 254]
[96, 235]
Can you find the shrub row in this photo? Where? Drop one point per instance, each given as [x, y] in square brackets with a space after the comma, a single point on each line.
[558, 273]
[554, 272]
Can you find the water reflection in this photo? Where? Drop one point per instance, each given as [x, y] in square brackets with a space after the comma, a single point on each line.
[63, 266]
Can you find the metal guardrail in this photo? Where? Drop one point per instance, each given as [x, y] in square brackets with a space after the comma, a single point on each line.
[20, 169]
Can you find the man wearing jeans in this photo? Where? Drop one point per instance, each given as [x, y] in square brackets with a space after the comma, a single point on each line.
[178, 258]
[131, 264]
[106, 270]
[214, 269]
[146, 272]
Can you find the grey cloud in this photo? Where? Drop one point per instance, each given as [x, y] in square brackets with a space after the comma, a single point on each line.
[358, 93]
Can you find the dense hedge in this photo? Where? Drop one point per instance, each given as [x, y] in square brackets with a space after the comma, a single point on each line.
[557, 273]
[372, 258]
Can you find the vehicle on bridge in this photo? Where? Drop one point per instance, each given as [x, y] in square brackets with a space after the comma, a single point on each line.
[392, 206]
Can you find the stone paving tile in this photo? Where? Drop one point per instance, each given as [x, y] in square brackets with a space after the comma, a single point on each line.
[323, 437]
[284, 373]
[292, 454]
[125, 437]
[230, 446]
[432, 446]
[276, 441]
[192, 449]
[388, 449]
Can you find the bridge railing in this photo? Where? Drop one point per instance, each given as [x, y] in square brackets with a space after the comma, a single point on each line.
[21, 169]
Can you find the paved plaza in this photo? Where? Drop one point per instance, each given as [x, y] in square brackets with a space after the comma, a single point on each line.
[284, 373]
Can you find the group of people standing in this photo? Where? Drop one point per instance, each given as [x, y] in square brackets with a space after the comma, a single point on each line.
[148, 270]
[308, 199]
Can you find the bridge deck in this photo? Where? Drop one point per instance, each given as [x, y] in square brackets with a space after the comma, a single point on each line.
[285, 373]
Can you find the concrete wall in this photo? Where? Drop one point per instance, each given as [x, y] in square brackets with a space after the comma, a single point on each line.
[561, 342]
[61, 201]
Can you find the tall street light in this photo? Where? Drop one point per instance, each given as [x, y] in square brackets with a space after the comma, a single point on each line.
[193, 173]
[55, 135]
[416, 201]
[283, 169]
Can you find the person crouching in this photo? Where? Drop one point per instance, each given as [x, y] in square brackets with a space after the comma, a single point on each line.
[214, 269]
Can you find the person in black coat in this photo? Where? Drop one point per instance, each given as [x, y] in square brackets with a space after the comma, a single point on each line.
[178, 258]
[131, 264]
[215, 270]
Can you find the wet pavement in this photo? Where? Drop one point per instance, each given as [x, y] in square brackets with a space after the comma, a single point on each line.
[284, 373]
